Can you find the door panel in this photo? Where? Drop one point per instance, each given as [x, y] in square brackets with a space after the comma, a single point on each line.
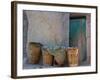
[77, 36]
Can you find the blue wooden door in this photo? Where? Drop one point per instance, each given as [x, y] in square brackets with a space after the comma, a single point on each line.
[77, 36]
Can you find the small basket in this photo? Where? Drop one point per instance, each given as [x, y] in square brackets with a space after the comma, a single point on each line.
[73, 57]
[47, 58]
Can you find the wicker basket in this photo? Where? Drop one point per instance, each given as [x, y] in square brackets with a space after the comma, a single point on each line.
[73, 57]
[34, 52]
[47, 58]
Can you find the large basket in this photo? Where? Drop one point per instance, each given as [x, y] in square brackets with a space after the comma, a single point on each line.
[34, 53]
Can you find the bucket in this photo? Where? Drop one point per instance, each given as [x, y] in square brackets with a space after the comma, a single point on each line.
[34, 53]
[73, 57]
[47, 58]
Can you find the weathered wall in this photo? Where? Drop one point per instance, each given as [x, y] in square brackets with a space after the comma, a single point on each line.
[49, 28]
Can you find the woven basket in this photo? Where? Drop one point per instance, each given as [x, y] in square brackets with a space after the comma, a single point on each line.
[34, 52]
[73, 57]
[47, 58]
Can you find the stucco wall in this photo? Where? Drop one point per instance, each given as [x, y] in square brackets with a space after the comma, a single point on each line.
[49, 28]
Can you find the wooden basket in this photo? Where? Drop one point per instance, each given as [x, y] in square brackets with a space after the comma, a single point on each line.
[47, 58]
[34, 52]
[73, 57]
